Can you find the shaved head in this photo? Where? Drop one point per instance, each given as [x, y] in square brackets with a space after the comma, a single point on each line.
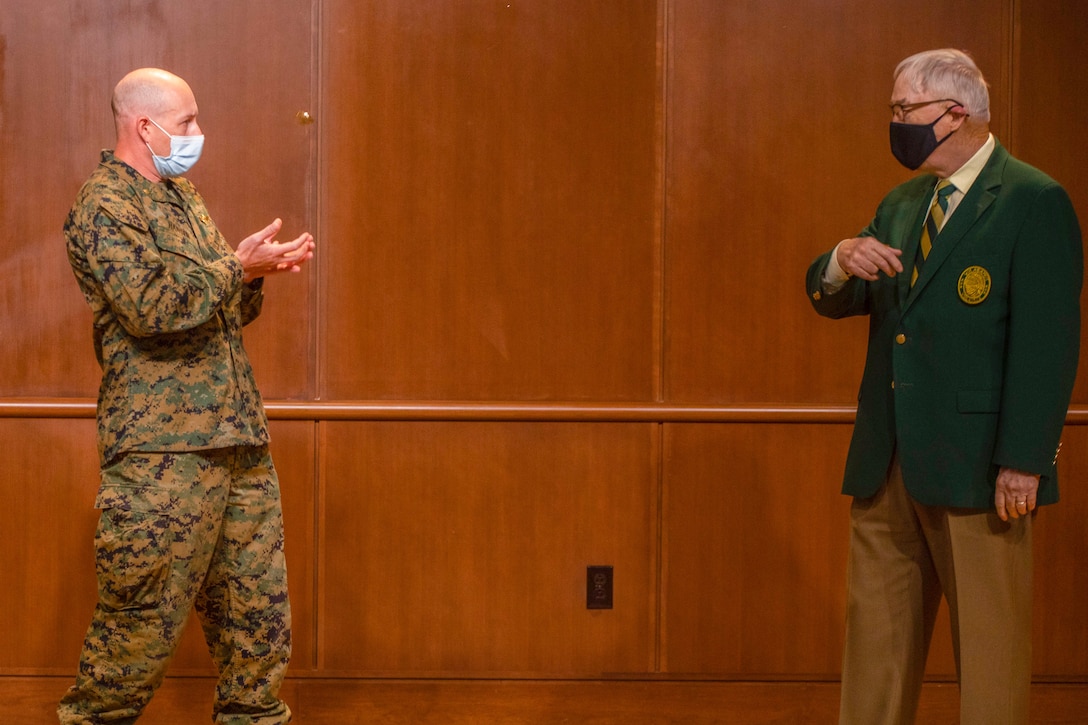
[146, 92]
[150, 105]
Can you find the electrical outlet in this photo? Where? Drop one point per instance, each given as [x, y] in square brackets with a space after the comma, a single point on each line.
[598, 587]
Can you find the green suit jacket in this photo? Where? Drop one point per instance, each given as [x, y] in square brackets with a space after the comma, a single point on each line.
[972, 369]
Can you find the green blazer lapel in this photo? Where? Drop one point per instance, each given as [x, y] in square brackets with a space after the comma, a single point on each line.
[913, 237]
[974, 204]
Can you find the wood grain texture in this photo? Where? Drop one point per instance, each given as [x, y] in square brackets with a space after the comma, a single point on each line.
[56, 119]
[1060, 632]
[754, 549]
[31, 701]
[1048, 120]
[489, 201]
[462, 547]
[773, 157]
[49, 475]
[556, 319]
[47, 524]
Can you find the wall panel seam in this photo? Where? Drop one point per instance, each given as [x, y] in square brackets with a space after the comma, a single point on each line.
[509, 411]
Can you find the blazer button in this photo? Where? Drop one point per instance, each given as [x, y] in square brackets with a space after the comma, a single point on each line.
[900, 338]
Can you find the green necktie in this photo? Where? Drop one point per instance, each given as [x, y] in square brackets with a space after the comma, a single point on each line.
[933, 225]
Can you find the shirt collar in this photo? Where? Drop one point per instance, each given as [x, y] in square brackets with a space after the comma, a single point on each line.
[965, 176]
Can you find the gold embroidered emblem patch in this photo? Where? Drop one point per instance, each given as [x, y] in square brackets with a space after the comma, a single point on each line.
[974, 285]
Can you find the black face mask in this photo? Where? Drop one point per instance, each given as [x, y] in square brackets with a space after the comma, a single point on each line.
[912, 143]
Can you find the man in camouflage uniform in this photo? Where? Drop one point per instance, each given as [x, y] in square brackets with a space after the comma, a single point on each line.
[190, 507]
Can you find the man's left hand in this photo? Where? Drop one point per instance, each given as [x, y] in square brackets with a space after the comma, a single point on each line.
[1015, 495]
[260, 255]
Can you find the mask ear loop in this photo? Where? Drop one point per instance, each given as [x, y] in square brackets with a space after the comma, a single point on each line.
[163, 130]
[962, 110]
[950, 109]
[171, 136]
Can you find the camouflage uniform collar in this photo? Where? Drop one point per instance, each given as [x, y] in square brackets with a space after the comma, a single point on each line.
[167, 190]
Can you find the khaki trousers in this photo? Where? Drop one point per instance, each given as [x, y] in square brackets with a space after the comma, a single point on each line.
[903, 558]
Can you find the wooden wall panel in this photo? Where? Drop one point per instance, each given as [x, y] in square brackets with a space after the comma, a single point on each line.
[45, 127]
[1051, 50]
[461, 548]
[1048, 124]
[755, 535]
[489, 200]
[1060, 636]
[32, 701]
[49, 481]
[610, 201]
[773, 157]
[56, 119]
[259, 161]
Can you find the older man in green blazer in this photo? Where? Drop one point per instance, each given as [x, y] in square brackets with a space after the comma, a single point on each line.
[970, 274]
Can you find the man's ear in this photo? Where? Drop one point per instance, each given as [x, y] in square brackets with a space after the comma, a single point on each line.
[143, 128]
[958, 114]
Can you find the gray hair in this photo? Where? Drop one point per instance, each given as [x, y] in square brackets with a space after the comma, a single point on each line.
[948, 73]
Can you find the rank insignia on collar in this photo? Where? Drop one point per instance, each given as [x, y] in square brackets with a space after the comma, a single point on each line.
[974, 285]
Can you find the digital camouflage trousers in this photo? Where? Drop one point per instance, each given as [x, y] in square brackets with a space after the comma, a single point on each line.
[178, 531]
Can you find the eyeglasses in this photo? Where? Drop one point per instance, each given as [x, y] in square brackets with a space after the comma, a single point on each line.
[900, 110]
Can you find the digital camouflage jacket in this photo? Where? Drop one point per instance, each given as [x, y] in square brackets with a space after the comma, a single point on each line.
[168, 301]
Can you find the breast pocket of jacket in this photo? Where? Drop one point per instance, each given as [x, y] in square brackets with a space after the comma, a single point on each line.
[981, 279]
[173, 236]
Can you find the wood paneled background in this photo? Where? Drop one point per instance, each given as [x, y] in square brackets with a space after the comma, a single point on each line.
[556, 319]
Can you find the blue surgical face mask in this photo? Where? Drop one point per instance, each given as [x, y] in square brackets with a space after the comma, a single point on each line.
[184, 153]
